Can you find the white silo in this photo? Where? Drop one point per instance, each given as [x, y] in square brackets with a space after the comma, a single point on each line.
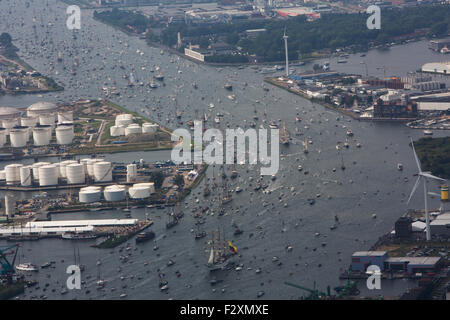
[102, 171]
[2, 175]
[150, 185]
[133, 129]
[18, 137]
[131, 172]
[114, 193]
[139, 191]
[65, 117]
[48, 175]
[75, 173]
[90, 194]
[25, 176]
[3, 135]
[149, 127]
[35, 168]
[42, 135]
[47, 119]
[12, 173]
[64, 134]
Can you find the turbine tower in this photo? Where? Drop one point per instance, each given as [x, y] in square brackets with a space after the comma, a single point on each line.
[285, 37]
[425, 176]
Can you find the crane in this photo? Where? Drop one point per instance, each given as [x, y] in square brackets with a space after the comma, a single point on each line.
[7, 267]
[315, 294]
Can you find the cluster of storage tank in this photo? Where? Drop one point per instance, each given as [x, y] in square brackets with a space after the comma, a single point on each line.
[116, 192]
[125, 126]
[39, 128]
[48, 174]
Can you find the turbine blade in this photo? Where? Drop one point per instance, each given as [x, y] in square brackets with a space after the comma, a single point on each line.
[413, 189]
[434, 194]
[427, 175]
[415, 156]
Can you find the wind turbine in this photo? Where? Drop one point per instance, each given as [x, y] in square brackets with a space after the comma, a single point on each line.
[425, 176]
[285, 37]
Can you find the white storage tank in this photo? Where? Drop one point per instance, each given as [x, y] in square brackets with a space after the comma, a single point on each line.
[114, 193]
[133, 129]
[41, 107]
[124, 119]
[3, 134]
[149, 127]
[63, 165]
[139, 191]
[90, 194]
[116, 131]
[48, 175]
[64, 134]
[28, 121]
[131, 172]
[12, 173]
[47, 119]
[150, 185]
[35, 168]
[102, 171]
[65, 117]
[42, 135]
[18, 137]
[25, 176]
[10, 123]
[90, 165]
[2, 175]
[75, 173]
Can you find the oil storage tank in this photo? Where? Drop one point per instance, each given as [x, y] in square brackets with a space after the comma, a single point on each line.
[75, 173]
[2, 137]
[103, 171]
[139, 191]
[12, 173]
[42, 135]
[124, 119]
[133, 129]
[48, 175]
[2, 175]
[47, 119]
[114, 193]
[149, 127]
[90, 194]
[131, 172]
[90, 166]
[64, 134]
[65, 117]
[116, 131]
[28, 121]
[63, 165]
[35, 169]
[25, 176]
[18, 137]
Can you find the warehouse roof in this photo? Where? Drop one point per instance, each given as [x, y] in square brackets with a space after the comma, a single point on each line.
[428, 261]
[80, 223]
[370, 253]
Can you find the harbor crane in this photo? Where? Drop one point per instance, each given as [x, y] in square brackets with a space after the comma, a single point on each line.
[7, 268]
[315, 294]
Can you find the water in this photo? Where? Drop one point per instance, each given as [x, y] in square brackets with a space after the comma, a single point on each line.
[370, 184]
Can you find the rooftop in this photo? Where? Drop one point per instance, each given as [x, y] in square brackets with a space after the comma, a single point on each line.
[369, 253]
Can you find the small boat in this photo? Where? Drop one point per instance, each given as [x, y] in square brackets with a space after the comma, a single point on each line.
[399, 167]
[428, 132]
[349, 133]
[26, 267]
[145, 236]
[228, 86]
[45, 265]
[238, 189]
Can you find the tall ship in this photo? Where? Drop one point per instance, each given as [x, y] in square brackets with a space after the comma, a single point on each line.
[73, 235]
[226, 192]
[218, 253]
[284, 135]
[305, 147]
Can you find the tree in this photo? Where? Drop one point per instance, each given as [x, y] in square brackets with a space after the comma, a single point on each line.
[179, 180]
[5, 39]
[158, 179]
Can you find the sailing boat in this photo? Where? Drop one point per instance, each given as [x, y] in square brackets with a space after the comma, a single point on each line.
[284, 135]
[218, 255]
[305, 146]
[172, 220]
[78, 260]
[226, 192]
[200, 233]
[131, 80]
[342, 165]
[206, 190]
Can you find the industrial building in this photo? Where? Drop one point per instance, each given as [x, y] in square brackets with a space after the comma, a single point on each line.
[441, 225]
[437, 67]
[411, 265]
